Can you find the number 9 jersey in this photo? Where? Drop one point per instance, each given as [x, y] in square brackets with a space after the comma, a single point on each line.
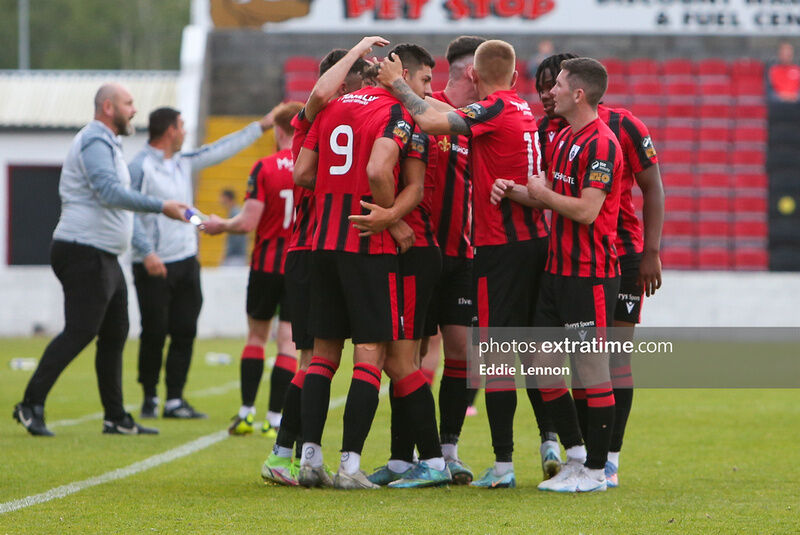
[271, 183]
[343, 135]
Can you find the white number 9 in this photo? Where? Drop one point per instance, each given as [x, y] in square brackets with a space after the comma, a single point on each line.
[345, 150]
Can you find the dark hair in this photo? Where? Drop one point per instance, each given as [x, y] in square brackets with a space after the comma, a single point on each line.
[551, 65]
[161, 119]
[333, 57]
[229, 193]
[590, 75]
[462, 46]
[412, 56]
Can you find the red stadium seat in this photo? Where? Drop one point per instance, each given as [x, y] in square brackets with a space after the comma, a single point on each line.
[643, 67]
[645, 110]
[681, 89]
[713, 205]
[679, 203]
[712, 157]
[678, 67]
[715, 180]
[750, 203]
[617, 86]
[678, 180]
[750, 180]
[751, 111]
[716, 111]
[750, 258]
[676, 110]
[712, 67]
[678, 257]
[748, 87]
[614, 67]
[747, 67]
[678, 156]
[714, 230]
[715, 90]
[300, 84]
[743, 229]
[301, 64]
[755, 135]
[646, 91]
[679, 136]
[718, 258]
[677, 228]
[749, 157]
[711, 134]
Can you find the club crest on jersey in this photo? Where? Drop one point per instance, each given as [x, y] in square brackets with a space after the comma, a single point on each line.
[473, 110]
[600, 171]
[402, 130]
[574, 152]
[444, 144]
[649, 149]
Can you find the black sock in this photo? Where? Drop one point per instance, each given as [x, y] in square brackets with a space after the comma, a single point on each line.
[251, 368]
[598, 438]
[623, 398]
[547, 430]
[315, 398]
[472, 393]
[290, 419]
[581, 406]
[562, 411]
[150, 392]
[500, 408]
[359, 410]
[415, 399]
[278, 384]
[453, 400]
[402, 441]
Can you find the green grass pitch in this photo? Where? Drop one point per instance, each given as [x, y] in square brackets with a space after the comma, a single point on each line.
[694, 461]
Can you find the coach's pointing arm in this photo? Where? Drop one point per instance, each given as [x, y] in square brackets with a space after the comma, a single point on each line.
[430, 120]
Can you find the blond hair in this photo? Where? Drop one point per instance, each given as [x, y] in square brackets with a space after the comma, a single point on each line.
[284, 113]
[495, 62]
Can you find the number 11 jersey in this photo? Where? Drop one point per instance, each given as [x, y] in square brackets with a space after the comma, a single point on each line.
[343, 135]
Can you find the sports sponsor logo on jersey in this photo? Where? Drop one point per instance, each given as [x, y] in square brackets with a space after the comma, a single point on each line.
[351, 98]
[649, 149]
[552, 135]
[473, 111]
[402, 130]
[564, 178]
[523, 107]
[446, 146]
[573, 151]
[560, 144]
[600, 171]
[417, 145]
[285, 163]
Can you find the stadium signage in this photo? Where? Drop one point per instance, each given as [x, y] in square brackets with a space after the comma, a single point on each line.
[703, 17]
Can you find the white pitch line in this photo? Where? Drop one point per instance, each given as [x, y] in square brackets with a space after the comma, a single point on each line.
[135, 468]
[206, 392]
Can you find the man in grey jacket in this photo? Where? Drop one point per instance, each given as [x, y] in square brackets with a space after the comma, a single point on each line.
[165, 268]
[96, 225]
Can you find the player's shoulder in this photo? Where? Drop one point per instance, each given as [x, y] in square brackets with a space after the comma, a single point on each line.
[603, 139]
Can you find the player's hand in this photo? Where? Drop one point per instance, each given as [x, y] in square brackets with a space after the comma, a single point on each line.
[500, 190]
[650, 273]
[154, 266]
[268, 121]
[403, 235]
[390, 70]
[536, 184]
[377, 220]
[364, 47]
[215, 225]
[175, 210]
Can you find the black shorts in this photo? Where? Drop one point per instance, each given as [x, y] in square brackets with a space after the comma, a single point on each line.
[355, 296]
[298, 296]
[265, 292]
[453, 301]
[420, 268]
[629, 301]
[506, 281]
[576, 301]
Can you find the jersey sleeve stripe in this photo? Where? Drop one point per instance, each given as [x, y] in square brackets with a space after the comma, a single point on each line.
[637, 138]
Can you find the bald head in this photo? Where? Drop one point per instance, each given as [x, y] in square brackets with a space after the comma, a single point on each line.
[113, 106]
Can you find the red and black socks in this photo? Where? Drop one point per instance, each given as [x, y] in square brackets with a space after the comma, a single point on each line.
[359, 410]
[290, 431]
[600, 424]
[453, 400]
[316, 394]
[282, 374]
[414, 401]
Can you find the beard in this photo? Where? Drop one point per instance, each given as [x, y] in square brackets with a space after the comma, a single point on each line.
[123, 124]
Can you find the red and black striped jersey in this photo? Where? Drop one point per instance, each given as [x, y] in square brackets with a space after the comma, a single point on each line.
[548, 130]
[419, 219]
[451, 207]
[343, 135]
[502, 129]
[588, 158]
[271, 183]
[639, 154]
[303, 228]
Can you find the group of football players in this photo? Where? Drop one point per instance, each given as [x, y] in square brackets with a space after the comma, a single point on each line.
[391, 213]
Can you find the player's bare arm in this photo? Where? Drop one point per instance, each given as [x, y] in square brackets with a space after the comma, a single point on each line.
[327, 86]
[379, 218]
[380, 171]
[305, 168]
[652, 188]
[430, 120]
[244, 222]
[583, 209]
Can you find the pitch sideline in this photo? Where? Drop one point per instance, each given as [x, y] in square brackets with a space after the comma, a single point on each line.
[135, 468]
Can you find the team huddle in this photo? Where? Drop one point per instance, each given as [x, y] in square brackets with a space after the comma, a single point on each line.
[391, 213]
